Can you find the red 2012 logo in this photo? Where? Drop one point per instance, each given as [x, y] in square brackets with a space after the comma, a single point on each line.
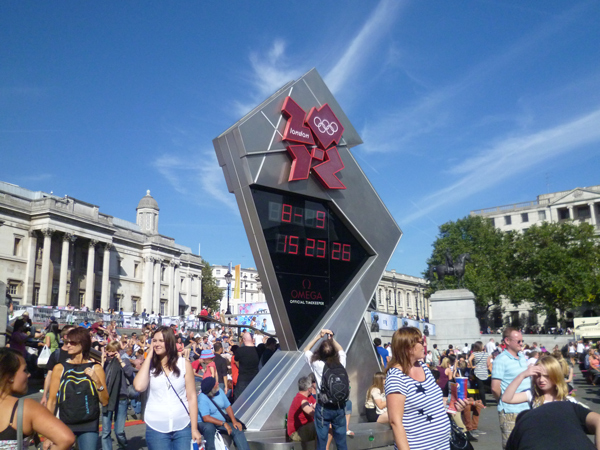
[315, 136]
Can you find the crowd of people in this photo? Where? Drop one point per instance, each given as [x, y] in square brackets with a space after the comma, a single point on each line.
[189, 381]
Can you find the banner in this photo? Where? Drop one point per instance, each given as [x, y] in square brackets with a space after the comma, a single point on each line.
[390, 322]
[259, 310]
[238, 281]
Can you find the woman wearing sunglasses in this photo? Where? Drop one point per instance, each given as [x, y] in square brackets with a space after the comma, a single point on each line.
[78, 386]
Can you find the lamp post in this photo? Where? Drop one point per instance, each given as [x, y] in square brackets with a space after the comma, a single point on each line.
[228, 277]
[417, 291]
[394, 283]
[245, 286]
[387, 301]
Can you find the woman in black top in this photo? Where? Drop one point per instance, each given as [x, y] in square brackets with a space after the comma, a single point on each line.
[36, 418]
[89, 375]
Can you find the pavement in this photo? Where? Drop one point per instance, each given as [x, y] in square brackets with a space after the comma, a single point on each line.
[488, 421]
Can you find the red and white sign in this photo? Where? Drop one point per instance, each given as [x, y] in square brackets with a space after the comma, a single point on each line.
[315, 137]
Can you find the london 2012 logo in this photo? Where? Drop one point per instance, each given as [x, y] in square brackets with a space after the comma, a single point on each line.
[315, 136]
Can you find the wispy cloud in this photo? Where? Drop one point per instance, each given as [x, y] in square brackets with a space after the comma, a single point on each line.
[35, 177]
[200, 178]
[511, 157]
[395, 129]
[360, 48]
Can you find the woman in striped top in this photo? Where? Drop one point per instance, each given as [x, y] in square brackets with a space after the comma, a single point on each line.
[479, 362]
[414, 400]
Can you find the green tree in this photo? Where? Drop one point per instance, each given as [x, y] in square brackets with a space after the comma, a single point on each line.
[211, 293]
[488, 275]
[558, 266]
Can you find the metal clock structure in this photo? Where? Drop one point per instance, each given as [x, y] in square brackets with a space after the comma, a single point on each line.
[320, 235]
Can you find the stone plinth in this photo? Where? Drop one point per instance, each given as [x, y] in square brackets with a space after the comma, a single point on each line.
[453, 313]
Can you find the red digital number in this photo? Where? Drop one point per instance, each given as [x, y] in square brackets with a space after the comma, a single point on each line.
[336, 251]
[286, 213]
[281, 243]
[346, 252]
[310, 247]
[320, 219]
[321, 249]
[293, 241]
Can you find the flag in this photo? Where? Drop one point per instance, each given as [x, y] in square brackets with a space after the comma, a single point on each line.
[238, 282]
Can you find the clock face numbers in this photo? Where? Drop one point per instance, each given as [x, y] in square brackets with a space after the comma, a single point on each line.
[314, 254]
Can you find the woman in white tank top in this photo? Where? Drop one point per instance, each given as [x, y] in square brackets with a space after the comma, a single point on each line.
[172, 408]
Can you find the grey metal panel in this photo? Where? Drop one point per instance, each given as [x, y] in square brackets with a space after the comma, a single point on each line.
[266, 400]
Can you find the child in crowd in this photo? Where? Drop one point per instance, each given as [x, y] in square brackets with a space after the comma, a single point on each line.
[548, 384]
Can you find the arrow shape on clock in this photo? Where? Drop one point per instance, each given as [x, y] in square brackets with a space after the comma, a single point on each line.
[326, 171]
[301, 163]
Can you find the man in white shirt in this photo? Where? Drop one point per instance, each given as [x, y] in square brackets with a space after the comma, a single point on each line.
[490, 346]
[466, 349]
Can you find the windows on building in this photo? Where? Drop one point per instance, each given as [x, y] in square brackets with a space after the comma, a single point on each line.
[218, 272]
[163, 307]
[17, 247]
[36, 296]
[13, 288]
[163, 273]
[136, 270]
[563, 214]
[492, 221]
[583, 212]
[117, 302]
[541, 215]
[507, 220]
[135, 302]
[81, 299]
[524, 217]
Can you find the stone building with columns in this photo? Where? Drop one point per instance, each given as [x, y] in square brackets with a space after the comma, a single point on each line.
[60, 250]
[401, 294]
[250, 287]
[577, 205]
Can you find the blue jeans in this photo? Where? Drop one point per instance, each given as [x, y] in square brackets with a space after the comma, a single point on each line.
[337, 419]
[175, 440]
[87, 439]
[120, 415]
[208, 431]
[136, 404]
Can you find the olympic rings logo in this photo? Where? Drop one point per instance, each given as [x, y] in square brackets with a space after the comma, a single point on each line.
[325, 126]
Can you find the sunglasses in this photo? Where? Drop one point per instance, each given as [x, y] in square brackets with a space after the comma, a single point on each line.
[67, 342]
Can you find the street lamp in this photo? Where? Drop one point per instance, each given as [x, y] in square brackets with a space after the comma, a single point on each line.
[228, 278]
[416, 292]
[387, 301]
[245, 286]
[394, 282]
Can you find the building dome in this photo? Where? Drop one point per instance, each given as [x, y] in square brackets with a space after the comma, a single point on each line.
[147, 202]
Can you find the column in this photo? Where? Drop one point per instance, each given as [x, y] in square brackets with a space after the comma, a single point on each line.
[170, 288]
[157, 280]
[64, 268]
[148, 281]
[177, 285]
[46, 280]
[199, 298]
[188, 297]
[592, 207]
[105, 298]
[30, 269]
[89, 276]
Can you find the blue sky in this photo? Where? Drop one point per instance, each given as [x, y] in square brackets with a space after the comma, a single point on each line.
[462, 105]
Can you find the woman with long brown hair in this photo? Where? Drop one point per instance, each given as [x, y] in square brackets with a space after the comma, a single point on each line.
[79, 370]
[13, 380]
[375, 403]
[171, 413]
[414, 400]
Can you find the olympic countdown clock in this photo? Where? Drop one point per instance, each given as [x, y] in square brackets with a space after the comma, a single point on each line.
[319, 233]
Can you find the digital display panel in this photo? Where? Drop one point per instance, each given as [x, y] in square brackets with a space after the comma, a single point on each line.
[314, 254]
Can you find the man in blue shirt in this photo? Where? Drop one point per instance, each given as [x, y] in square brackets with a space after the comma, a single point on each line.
[382, 353]
[510, 363]
[85, 324]
[212, 408]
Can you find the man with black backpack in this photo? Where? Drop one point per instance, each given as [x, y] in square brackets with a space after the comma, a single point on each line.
[333, 388]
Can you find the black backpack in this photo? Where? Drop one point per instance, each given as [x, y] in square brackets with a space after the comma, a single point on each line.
[335, 386]
[78, 399]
